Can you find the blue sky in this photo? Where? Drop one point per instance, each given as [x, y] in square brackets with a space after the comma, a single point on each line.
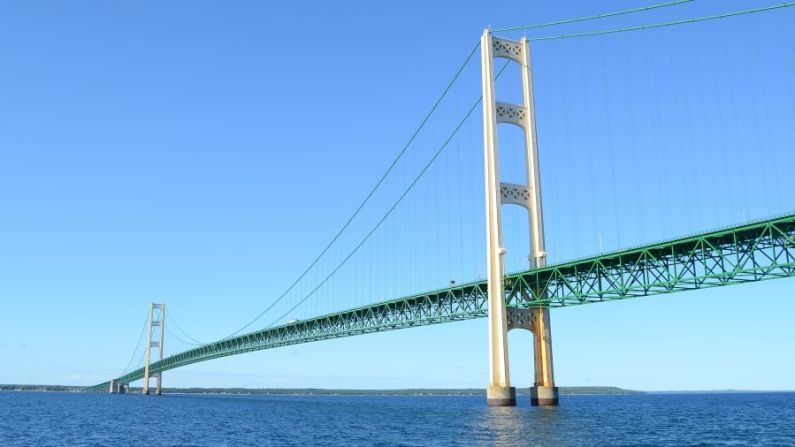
[202, 153]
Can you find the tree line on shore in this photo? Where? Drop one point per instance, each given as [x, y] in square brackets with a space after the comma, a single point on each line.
[329, 392]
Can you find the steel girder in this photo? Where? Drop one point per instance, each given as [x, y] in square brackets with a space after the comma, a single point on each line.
[453, 304]
[752, 252]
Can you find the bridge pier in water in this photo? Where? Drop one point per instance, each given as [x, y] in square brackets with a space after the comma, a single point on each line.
[544, 391]
[117, 387]
[528, 195]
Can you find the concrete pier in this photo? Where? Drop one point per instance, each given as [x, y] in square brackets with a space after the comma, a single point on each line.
[544, 396]
[501, 396]
[544, 392]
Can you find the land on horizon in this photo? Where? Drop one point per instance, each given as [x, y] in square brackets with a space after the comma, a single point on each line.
[566, 390]
[328, 391]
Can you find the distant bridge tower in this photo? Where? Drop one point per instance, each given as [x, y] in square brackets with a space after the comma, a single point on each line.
[157, 318]
[500, 392]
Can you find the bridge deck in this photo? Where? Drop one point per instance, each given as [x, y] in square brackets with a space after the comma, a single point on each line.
[747, 253]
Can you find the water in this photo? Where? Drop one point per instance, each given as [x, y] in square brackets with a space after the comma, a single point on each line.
[62, 419]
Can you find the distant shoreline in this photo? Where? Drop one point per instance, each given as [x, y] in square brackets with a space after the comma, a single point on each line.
[567, 391]
[578, 390]
[384, 392]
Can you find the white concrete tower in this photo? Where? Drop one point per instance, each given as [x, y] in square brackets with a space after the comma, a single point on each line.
[500, 392]
[157, 318]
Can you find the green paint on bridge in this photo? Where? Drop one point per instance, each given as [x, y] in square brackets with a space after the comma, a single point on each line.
[747, 253]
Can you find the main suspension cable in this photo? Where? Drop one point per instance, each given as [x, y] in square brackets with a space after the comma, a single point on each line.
[137, 345]
[664, 24]
[187, 335]
[171, 333]
[593, 17]
[393, 207]
[368, 196]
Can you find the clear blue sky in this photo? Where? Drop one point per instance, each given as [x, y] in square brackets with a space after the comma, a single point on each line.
[201, 154]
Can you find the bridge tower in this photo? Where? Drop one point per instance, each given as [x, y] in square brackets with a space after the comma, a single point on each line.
[157, 319]
[500, 392]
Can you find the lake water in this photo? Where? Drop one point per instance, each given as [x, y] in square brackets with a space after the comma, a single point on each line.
[64, 419]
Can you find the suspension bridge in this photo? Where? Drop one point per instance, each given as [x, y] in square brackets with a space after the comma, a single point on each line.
[753, 251]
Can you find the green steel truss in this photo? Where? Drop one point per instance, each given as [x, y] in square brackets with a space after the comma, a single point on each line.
[747, 253]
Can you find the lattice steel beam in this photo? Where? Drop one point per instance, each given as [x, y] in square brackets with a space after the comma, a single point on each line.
[747, 253]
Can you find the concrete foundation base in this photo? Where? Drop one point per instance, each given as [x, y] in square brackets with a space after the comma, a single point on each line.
[544, 396]
[501, 396]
